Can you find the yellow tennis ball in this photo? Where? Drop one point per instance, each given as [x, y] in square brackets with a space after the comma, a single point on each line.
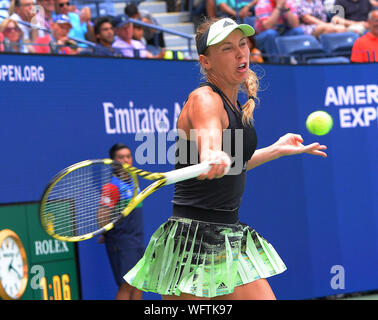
[319, 123]
[168, 55]
[180, 55]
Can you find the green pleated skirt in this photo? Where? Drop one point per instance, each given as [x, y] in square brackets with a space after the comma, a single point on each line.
[203, 259]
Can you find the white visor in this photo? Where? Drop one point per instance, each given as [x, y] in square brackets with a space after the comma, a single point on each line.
[220, 31]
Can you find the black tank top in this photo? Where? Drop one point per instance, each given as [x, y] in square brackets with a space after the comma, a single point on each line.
[224, 194]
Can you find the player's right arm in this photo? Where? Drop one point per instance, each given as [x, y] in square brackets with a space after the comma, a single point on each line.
[203, 119]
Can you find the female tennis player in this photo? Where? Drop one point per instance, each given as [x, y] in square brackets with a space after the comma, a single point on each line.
[203, 251]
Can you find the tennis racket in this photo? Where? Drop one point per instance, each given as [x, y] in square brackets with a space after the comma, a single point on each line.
[82, 201]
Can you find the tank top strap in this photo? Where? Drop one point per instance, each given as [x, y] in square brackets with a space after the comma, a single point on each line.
[226, 101]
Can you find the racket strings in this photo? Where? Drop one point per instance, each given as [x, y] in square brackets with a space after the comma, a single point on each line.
[80, 192]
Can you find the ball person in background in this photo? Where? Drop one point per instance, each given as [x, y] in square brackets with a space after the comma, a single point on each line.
[203, 251]
[125, 242]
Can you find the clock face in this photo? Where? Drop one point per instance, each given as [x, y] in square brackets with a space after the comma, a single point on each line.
[13, 267]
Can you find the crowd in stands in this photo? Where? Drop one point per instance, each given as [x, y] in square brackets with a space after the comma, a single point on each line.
[65, 29]
[57, 26]
[277, 18]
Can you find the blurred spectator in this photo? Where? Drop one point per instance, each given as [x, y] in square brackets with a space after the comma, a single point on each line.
[245, 8]
[275, 18]
[104, 32]
[329, 8]
[125, 42]
[57, 42]
[314, 18]
[13, 36]
[138, 33]
[255, 54]
[211, 8]
[365, 48]
[132, 11]
[22, 10]
[81, 24]
[353, 15]
[1, 42]
[199, 11]
[45, 15]
[153, 37]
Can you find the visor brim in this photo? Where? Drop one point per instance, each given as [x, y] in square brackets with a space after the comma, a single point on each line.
[246, 29]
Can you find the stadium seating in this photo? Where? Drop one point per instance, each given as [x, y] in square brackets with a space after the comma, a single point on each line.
[338, 43]
[301, 48]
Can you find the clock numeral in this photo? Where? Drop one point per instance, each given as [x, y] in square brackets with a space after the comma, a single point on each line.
[66, 287]
[61, 287]
[43, 284]
[57, 288]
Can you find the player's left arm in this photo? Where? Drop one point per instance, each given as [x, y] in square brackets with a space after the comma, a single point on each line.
[287, 145]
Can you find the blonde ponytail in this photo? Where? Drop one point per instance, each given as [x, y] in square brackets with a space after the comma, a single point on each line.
[251, 85]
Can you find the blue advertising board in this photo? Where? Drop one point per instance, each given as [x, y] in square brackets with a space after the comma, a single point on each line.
[321, 215]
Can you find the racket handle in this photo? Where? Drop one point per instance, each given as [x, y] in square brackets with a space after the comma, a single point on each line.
[193, 171]
[187, 172]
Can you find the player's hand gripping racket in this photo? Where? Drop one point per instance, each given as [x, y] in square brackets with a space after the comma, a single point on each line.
[77, 203]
